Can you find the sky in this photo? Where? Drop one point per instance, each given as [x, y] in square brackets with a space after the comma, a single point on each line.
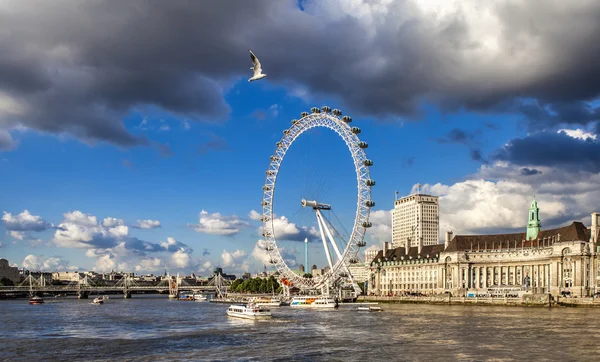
[131, 139]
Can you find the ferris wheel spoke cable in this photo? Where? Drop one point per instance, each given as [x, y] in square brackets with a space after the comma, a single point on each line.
[346, 235]
[334, 231]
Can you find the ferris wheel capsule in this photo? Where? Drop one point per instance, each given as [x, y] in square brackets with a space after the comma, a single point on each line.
[370, 182]
[355, 130]
[336, 112]
[370, 203]
[368, 163]
[347, 119]
[304, 114]
[363, 145]
[325, 109]
[315, 110]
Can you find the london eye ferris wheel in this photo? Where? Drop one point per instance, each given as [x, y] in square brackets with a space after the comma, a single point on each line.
[339, 254]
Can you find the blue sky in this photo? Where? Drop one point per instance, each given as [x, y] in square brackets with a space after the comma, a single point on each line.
[187, 133]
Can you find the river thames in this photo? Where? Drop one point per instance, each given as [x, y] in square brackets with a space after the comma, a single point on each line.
[153, 328]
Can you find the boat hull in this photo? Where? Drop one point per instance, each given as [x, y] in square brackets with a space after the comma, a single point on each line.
[249, 316]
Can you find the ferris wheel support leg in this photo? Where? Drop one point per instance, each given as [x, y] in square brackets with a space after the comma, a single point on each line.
[319, 221]
[329, 235]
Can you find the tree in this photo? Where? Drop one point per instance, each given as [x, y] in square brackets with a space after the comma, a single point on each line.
[6, 282]
[307, 275]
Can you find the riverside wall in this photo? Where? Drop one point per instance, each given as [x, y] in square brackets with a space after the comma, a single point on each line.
[531, 300]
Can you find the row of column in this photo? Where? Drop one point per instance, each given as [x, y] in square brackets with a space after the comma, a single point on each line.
[483, 277]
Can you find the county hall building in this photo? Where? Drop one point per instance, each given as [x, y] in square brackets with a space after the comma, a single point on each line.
[562, 261]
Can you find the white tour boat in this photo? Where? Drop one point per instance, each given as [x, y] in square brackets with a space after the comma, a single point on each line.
[266, 302]
[248, 311]
[313, 302]
[200, 298]
[98, 300]
[369, 309]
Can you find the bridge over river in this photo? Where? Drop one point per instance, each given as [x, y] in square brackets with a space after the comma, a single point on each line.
[83, 287]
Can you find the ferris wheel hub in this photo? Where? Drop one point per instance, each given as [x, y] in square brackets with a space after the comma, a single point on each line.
[315, 205]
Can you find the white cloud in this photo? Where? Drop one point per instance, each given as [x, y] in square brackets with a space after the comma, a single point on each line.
[1, 244]
[112, 222]
[79, 218]
[206, 267]
[254, 215]
[147, 224]
[19, 235]
[260, 253]
[106, 263]
[232, 259]
[382, 225]
[286, 230]
[274, 109]
[217, 224]
[498, 198]
[42, 263]
[24, 221]
[148, 264]
[578, 134]
[180, 258]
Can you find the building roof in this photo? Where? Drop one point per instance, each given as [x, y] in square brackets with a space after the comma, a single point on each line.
[575, 231]
[397, 253]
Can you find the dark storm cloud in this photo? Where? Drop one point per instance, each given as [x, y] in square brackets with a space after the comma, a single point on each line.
[556, 150]
[459, 136]
[79, 67]
[6, 140]
[530, 171]
[470, 139]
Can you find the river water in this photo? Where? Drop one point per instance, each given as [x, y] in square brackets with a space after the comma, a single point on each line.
[154, 328]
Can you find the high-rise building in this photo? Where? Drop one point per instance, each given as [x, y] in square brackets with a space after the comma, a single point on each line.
[415, 219]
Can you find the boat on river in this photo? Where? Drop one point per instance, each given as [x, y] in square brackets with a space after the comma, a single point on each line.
[249, 311]
[314, 302]
[200, 298]
[369, 309]
[266, 301]
[36, 300]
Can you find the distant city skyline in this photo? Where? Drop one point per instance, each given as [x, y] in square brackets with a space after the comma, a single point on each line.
[149, 151]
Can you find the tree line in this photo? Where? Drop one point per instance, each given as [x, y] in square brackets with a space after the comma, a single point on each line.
[255, 285]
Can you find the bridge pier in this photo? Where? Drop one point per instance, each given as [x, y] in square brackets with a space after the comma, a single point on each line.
[127, 295]
[83, 295]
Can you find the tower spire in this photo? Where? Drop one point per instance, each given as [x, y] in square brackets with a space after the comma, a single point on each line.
[534, 225]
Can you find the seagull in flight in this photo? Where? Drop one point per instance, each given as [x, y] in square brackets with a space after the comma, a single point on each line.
[256, 68]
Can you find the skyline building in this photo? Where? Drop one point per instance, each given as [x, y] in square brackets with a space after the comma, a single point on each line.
[415, 219]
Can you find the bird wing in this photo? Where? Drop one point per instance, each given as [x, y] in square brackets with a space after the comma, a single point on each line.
[256, 62]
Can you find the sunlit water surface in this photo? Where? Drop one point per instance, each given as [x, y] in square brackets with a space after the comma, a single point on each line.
[153, 328]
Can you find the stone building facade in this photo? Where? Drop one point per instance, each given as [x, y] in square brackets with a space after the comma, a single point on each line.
[562, 261]
[9, 272]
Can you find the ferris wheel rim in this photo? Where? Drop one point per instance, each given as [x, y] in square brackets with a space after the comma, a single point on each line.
[349, 135]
